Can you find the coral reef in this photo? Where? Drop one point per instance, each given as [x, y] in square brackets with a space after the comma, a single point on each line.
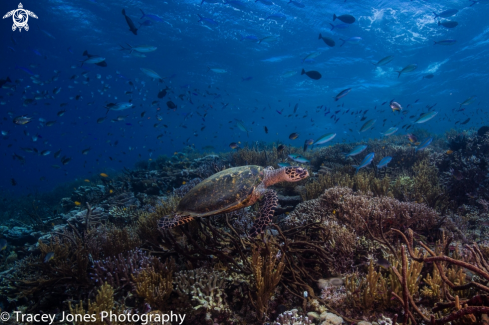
[404, 244]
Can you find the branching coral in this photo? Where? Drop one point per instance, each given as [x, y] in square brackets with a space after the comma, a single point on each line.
[104, 303]
[267, 266]
[153, 286]
[360, 210]
[205, 289]
[479, 266]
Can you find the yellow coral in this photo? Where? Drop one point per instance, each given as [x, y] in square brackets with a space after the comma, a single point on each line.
[154, 287]
[104, 302]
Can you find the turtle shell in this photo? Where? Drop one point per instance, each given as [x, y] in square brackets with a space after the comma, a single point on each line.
[226, 191]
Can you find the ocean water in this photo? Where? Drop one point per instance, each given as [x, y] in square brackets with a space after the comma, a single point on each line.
[255, 86]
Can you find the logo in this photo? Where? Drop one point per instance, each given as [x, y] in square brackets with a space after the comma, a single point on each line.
[20, 17]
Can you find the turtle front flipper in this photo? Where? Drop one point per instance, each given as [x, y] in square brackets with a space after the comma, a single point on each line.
[172, 222]
[266, 213]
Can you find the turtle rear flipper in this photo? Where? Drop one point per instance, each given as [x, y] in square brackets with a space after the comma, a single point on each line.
[172, 222]
[266, 213]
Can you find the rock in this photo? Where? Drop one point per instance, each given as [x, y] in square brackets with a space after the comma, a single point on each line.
[364, 323]
[18, 236]
[313, 315]
[330, 319]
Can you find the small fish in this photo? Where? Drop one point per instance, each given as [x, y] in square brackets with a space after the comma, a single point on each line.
[207, 21]
[395, 106]
[152, 74]
[352, 40]
[104, 175]
[293, 136]
[150, 16]
[325, 138]
[283, 164]
[412, 138]
[3, 244]
[130, 23]
[233, 145]
[390, 131]
[162, 93]
[445, 42]
[466, 121]
[368, 125]
[426, 117]
[297, 4]
[429, 76]
[86, 151]
[384, 61]
[342, 94]
[266, 130]
[312, 74]
[299, 159]
[77, 203]
[449, 152]
[383, 163]
[49, 256]
[355, 151]
[468, 101]
[21, 120]
[408, 68]
[424, 144]
[347, 19]
[280, 148]
[448, 24]
[365, 162]
[307, 143]
[328, 41]
[384, 263]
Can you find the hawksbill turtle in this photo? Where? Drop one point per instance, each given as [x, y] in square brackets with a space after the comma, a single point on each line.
[233, 189]
[20, 17]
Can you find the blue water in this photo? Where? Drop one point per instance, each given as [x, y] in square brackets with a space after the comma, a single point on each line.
[187, 48]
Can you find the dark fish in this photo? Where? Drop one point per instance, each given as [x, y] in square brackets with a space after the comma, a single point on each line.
[448, 24]
[4, 81]
[61, 113]
[132, 27]
[295, 107]
[171, 105]
[49, 256]
[94, 57]
[280, 148]
[13, 182]
[233, 145]
[347, 19]
[307, 143]
[383, 262]
[162, 93]
[100, 120]
[466, 121]
[312, 74]
[293, 136]
[429, 76]
[266, 130]
[328, 41]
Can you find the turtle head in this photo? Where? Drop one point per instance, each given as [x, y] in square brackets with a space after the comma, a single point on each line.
[295, 174]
